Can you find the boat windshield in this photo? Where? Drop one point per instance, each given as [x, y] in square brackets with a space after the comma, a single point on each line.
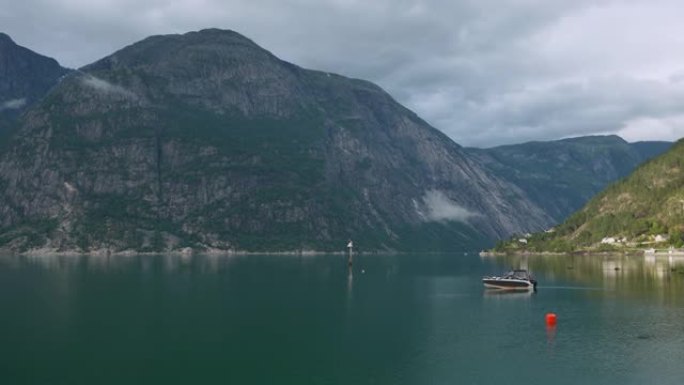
[517, 274]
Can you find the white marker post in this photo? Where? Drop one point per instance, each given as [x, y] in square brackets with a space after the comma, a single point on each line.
[350, 246]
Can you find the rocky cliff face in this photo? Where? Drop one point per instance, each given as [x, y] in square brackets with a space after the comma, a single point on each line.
[205, 140]
[561, 176]
[25, 77]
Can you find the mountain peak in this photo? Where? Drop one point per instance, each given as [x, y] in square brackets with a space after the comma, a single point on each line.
[208, 36]
[5, 39]
[216, 69]
[607, 139]
[217, 33]
[191, 49]
[26, 76]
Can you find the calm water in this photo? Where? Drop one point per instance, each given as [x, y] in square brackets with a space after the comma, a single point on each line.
[307, 320]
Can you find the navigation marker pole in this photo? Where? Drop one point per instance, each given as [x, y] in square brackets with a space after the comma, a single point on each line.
[350, 246]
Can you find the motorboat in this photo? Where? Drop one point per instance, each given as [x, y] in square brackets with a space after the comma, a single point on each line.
[513, 280]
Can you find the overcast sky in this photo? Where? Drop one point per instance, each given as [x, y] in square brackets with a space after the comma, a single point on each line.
[486, 72]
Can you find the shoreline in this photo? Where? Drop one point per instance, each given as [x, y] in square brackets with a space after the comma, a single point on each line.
[188, 252]
[179, 253]
[639, 252]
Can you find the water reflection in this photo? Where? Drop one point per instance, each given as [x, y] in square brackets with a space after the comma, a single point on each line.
[350, 285]
[415, 319]
[508, 294]
[102, 263]
[660, 276]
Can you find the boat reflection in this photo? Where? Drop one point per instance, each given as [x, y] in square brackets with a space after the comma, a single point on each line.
[501, 294]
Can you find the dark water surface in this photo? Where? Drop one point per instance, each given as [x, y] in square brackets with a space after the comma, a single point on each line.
[418, 319]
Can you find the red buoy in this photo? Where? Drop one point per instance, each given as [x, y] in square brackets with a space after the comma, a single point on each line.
[551, 319]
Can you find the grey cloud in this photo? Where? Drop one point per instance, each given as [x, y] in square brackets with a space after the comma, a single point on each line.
[598, 105]
[485, 72]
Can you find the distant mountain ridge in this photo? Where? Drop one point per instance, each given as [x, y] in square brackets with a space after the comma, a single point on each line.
[561, 176]
[25, 77]
[207, 141]
[651, 149]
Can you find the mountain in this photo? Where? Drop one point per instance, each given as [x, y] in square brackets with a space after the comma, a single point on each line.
[25, 77]
[205, 140]
[561, 176]
[649, 150]
[632, 211]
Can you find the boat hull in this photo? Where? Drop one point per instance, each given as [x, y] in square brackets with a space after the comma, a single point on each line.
[507, 284]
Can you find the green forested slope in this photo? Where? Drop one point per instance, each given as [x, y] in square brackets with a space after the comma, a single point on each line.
[634, 210]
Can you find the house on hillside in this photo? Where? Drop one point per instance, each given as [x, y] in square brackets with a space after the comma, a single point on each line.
[608, 240]
[660, 238]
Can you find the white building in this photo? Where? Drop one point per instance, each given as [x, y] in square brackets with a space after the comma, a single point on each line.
[660, 238]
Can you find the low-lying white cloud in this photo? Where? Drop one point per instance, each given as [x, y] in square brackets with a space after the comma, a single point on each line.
[666, 128]
[106, 87]
[438, 207]
[13, 104]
